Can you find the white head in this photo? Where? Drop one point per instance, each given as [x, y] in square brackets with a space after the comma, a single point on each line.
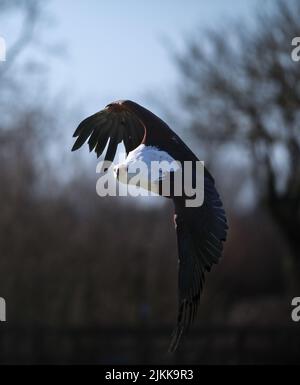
[148, 164]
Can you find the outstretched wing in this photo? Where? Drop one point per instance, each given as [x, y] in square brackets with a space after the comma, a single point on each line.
[133, 124]
[200, 234]
[113, 125]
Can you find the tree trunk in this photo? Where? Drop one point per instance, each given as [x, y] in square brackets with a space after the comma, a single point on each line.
[284, 213]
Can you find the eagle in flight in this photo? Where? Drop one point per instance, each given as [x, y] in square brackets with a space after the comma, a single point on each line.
[200, 230]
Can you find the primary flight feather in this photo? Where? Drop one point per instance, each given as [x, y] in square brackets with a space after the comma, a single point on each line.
[200, 230]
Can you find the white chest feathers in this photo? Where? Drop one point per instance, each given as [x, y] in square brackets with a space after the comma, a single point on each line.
[145, 167]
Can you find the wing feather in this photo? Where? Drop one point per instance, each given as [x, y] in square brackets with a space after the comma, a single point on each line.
[200, 234]
[115, 124]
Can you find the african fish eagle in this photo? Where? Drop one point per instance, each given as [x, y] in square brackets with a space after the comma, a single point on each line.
[201, 230]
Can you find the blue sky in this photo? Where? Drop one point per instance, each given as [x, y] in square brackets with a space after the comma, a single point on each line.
[115, 49]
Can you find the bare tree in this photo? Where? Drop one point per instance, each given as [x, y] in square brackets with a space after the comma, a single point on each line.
[241, 91]
[31, 13]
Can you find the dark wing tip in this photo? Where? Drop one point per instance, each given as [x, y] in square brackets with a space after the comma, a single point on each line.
[77, 144]
[176, 336]
[186, 314]
[115, 123]
[84, 130]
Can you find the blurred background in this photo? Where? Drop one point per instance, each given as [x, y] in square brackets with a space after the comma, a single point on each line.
[94, 280]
